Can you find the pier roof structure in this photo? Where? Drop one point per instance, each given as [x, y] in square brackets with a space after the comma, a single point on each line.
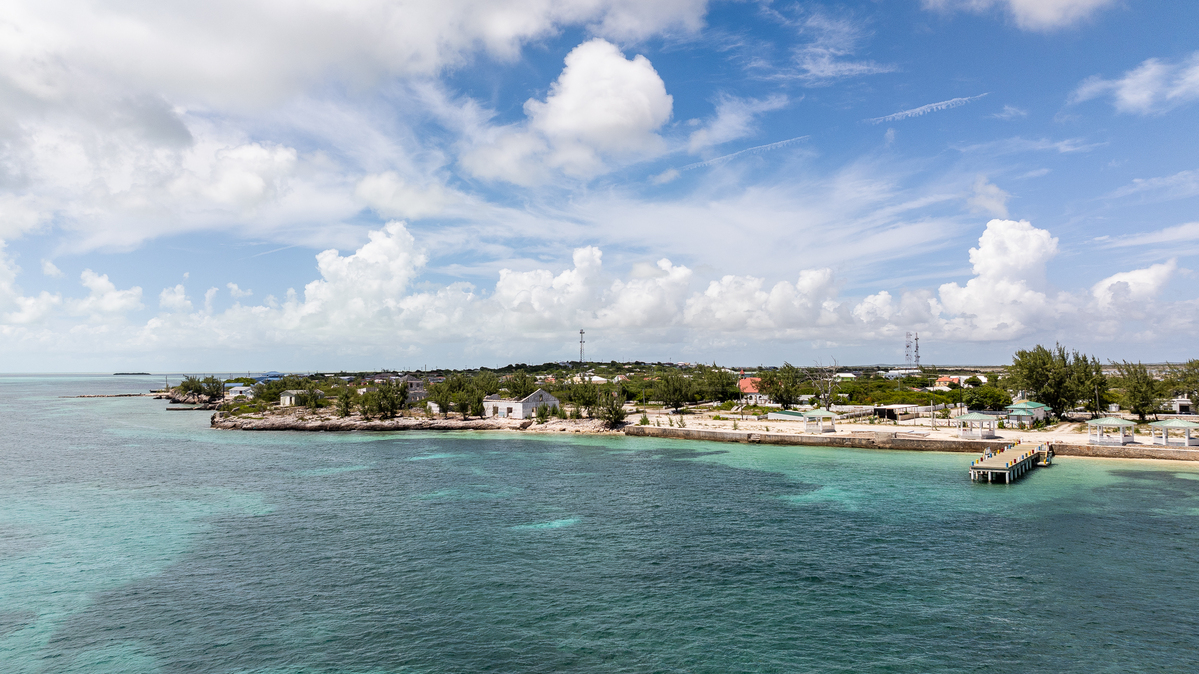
[976, 425]
[1109, 431]
[1186, 427]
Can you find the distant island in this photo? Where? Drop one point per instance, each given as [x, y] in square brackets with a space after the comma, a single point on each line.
[131, 374]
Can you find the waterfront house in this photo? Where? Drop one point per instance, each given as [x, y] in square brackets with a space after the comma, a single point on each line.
[750, 393]
[524, 408]
[234, 391]
[1024, 414]
[289, 398]
[1181, 405]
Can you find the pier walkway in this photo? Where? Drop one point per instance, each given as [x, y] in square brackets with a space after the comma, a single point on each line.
[1009, 465]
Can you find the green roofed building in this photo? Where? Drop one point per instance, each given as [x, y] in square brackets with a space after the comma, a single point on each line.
[977, 426]
[1110, 431]
[1183, 427]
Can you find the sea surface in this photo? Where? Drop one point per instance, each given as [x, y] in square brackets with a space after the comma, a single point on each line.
[133, 539]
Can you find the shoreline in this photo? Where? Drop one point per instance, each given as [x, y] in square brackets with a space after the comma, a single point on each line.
[882, 440]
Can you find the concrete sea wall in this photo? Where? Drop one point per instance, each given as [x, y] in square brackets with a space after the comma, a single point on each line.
[891, 440]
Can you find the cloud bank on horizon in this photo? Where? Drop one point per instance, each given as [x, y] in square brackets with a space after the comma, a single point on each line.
[683, 179]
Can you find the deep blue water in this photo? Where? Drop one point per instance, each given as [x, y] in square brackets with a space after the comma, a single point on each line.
[137, 540]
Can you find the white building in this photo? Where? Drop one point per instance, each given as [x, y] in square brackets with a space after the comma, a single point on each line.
[289, 398]
[234, 391]
[511, 408]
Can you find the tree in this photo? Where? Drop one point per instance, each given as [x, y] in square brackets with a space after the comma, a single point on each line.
[442, 395]
[986, 398]
[782, 386]
[1140, 390]
[392, 398]
[520, 384]
[487, 383]
[213, 387]
[1056, 377]
[973, 381]
[611, 409]
[824, 379]
[674, 389]
[716, 383]
[345, 401]
[368, 405]
[585, 397]
[1183, 380]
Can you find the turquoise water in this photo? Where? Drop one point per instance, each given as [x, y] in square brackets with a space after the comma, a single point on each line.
[136, 540]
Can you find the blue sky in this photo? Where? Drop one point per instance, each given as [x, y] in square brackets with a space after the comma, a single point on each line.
[461, 183]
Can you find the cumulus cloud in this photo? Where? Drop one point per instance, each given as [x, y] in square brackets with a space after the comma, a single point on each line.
[49, 269]
[174, 299]
[104, 300]
[1006, 297]
[369, 300]
[602, 106]
[1155, 86]
[988, 198]
[237, 292]
[1132, 289]
[1040, 15]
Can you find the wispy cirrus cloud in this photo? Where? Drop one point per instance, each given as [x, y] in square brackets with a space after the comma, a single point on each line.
[1155, 86]
[1184, 233]
[925, 109]
[1178, 186]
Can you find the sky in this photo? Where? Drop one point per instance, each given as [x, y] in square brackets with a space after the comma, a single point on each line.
[261, 185]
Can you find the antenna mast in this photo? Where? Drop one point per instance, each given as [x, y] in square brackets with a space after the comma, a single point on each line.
[917, 350]
[907, 350]
[581, 342]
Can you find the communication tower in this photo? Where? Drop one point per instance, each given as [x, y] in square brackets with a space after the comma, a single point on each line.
[907, 350]
[917, 350]
[581, 342]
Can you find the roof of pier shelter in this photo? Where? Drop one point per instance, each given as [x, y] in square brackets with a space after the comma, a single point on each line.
[1175, 423]
[1110, 421]
[1027, 405]
[819, 414]
[975, 416]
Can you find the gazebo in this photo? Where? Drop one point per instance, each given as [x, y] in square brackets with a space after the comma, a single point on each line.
[1109, 431]
[976, 425]
[814, 421]
[1174, 425]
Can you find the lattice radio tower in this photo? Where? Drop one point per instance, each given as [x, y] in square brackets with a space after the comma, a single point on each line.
[581, 342]
[907, 350]
[917, 350]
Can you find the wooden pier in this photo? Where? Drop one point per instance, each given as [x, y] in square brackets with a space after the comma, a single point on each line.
[1010, 464]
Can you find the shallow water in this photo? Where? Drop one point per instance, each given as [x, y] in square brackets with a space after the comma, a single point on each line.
[136, 540]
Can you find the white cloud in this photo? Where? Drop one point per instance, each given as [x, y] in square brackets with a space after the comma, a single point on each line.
[367, 302]
[925, 109]
[602, 107]
[1006, 297]
[49, 269]
[104, 299]
[393, 197]
[237, 292]
[1133, 289]
[823, 61]
[1155, 86]
[1178, 186]
[734, 119]
[1010, 112]
[1170, 235]
[1031, 14]
[174, 299]
[988, 198]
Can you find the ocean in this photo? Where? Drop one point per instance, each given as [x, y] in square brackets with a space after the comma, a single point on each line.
[138, 540]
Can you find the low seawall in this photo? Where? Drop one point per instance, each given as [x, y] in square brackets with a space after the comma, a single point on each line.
[889, 440]
[1128, 452]
[884, 440]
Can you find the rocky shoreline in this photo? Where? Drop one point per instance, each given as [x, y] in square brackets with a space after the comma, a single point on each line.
[300, 421]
